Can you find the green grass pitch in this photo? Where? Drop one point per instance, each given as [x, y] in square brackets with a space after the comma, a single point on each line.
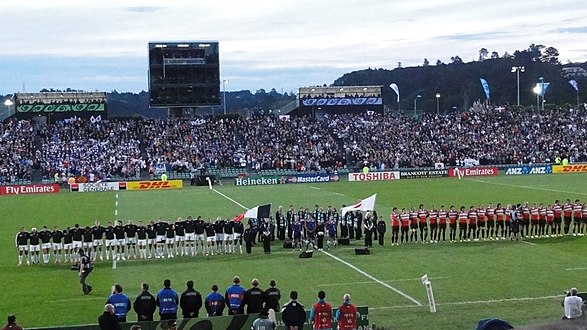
[515, 281]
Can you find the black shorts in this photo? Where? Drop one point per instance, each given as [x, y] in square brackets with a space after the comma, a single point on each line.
[578, 219]
[481, 224]
[413, 226]
[462, 226]
[453, 226]
[395, 229]
[433, 225]
[442, 226]
[541, 223]
[473, 226]
[405, 229]
[490, 223]
[422, 225]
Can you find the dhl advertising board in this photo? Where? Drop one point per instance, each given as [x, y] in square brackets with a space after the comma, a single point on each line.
[572, 168]
[154, 185]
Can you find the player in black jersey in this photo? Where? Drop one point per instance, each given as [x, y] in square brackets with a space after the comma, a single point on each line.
[170, 239]
[98, 234]
[110, 241]
[161, 229]
[120, 239]
[200, 230]
[22, 241]
[151, 237]
[76, 234]
[210, 237]
[229, 236]
[142, 240]
[45, 237]
[219, 235]
[68, 245]
[130, 229]
[57, 238]
[190, 235]
[179, 237]
[34, 245]
[88, 241]
[239, 231]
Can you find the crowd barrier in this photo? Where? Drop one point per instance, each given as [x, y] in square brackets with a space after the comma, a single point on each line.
[237, 322]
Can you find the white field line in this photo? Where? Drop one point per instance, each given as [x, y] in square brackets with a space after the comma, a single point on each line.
[491, 301]
[412, 299]
[76, 299]
[579, 268]
[339, 194]
[230, 199]
[314, 187]
[530, 243]
[527, 187]
[387, 281]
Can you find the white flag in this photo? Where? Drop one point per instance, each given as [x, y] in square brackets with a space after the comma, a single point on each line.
[367, 204]
[395, 89]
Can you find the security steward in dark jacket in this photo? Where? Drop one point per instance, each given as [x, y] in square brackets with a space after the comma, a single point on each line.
[190, 301]
[254, 298]
[145, 304]
[293, 314]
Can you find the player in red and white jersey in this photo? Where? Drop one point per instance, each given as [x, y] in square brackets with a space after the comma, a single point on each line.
[463, 220]
[541, 220]
[442, 216]
[395, 224]
[481, 222]
[534, 215]
[500, 222]
[525, 225]
[557, 208]
[490, 215]
[577, 218]
[567, 212]
[405, 225]
[508, 220]
[473, 218]
[433, 221]
[584, 217]
[550, 229]
[452, 223]
[423, 223]
[413, 225]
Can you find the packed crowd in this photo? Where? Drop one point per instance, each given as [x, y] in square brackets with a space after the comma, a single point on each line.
[123, 148]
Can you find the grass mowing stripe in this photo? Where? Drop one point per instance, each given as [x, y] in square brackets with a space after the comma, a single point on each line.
[526, 187]
[375, 279]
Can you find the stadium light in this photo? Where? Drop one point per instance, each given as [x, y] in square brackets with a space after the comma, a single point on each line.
[9, 104]
[437, 103]
[542, 90]
[518, 69]
[416, 103]
[224, 82]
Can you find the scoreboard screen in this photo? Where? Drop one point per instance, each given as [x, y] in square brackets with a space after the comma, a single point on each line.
[184, 74]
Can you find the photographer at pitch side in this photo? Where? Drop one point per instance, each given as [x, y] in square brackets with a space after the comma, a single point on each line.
[573, 305]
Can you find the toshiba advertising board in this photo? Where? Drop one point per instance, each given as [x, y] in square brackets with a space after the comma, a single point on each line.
[374, 176]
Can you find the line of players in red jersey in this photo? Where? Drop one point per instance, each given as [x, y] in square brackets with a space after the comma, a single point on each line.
[488, 222]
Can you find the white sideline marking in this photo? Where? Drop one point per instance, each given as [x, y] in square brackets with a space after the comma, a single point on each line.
[230, 199]
[529, 243]
[339, 194]
[314, 187]
[387, 281]
[491, 301]
[412, 299]
[344, 262]
[527, 187]
[579, 268]
[76, 299]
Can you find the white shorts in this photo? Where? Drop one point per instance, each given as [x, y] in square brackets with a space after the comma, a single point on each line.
[160, 238]
[98, 242]
[57, 246]
[142, 242]
[179, 238]
[151, 241]
[131, 240]
[237, 236]
[219, 237]
[67, 246]
[46, 246]
[228, 237]
[190, 237]
[87, 245]
[76, 244]
[23, 248]
[110, 242]
[200, 237]
[169, 240]
[211, 239]
[35, 248]
[119, 241]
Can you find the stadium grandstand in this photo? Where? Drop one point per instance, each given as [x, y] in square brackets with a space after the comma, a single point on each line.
[276, 145]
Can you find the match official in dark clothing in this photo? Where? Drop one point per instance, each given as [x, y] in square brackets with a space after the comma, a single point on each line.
[272, 296]
[108, 321]
[293, 313]
[145, 304]
[254, 298]
[190, 301]
[381, 229]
